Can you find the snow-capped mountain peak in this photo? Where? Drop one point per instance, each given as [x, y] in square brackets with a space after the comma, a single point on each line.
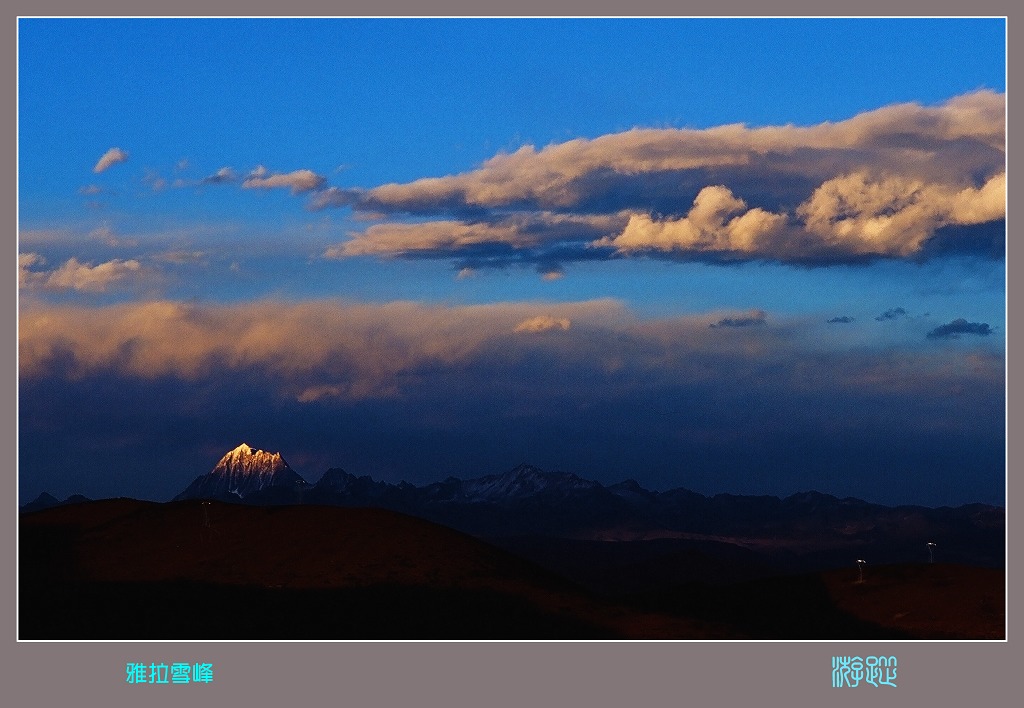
[242, 472]
[523, 481]
[245, 461]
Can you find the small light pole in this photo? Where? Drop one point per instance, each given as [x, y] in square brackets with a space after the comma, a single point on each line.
[206, 522]
[931, 552]
[860, 570]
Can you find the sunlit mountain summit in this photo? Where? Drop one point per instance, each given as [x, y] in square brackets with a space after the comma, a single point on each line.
[241, 473]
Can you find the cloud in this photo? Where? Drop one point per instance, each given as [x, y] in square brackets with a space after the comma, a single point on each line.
[543, 323]
[893, 314]
[89, 190]
[155, 181]
[903, 136]
[74, 275]
[959, 326]
[655, 394]
[298, 181]
[398, 239]
[753, 318]
[519, 232]
[335, 197]
[845, 319]
[886, 183]
[718, 221]
[359, 351]
[224, 175]
[181, 256]
[109, 238]
[26, 276]
[894, 216]
[110, 158]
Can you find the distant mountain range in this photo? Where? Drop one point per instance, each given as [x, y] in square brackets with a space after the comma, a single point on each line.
[527, 501]
[555, 555]
[45, 501]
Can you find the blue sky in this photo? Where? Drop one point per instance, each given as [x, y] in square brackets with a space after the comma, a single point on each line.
[650, 187]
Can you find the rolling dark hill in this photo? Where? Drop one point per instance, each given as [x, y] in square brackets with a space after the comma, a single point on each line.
[127, 569]
[123, 569]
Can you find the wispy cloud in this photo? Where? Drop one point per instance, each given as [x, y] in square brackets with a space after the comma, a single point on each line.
[110, 158]
[110, 238]
[75, 275]
[298, 181]
[155, 181]
[180, 256]
[224, 175]
[892, 314]
[751, 319]
[518, 231]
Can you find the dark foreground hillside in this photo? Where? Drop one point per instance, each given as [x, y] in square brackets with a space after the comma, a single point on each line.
[123, 569]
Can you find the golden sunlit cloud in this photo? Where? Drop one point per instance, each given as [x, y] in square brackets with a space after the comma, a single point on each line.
[75, 275]
[298, 181]
[543, 323]
[314, 347]
[518, 231]
[879, 184]
[551, 176]
[110, 158]
[320, 350]
[718, 221]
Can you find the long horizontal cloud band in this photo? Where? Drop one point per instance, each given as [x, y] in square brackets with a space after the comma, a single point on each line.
[317, 350]
[880, 184]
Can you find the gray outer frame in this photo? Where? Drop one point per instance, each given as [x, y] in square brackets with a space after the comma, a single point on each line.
[455, 674]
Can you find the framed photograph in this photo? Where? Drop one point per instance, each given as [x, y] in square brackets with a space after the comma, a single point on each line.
[497, 335]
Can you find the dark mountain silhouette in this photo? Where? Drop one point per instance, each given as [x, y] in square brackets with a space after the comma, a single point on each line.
[804, 531]
[46, 500]
[821, 529]
[252, 550]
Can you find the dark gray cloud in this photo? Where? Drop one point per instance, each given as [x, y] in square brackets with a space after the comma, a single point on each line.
[453, 392]
[845, 319]
[893, 314]
[753, 319]
[960, 326]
